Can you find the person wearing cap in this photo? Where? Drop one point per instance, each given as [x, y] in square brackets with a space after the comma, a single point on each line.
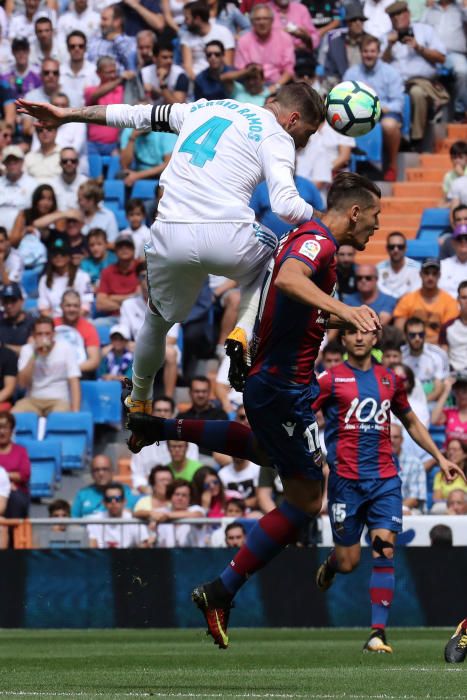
[44, 165]
[119, 281]
[453, 417]
[428, 361]
[344, 48]
[388, 85]
[11, 262]
[117, 359]
[67, 183]
[16, 186]
[15, 324]
[431, 304]
[453, 335]
[79, 333]
[454, 269]
[60, 274]
[414, 50]
[90, 196]
[21, 77]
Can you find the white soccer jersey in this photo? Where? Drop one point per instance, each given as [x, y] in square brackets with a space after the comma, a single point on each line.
[225, 148]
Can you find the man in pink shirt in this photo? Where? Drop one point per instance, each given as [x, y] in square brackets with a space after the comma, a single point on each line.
[295, 19]
[272, 48]
[103, 140]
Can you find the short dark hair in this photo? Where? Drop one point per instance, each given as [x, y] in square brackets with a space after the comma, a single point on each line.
[462, 286]
[135, 203]
[176, 484]
[304, 99]
[390, 345]
[59, 504]
[42, 320]
[79, 34]
[334, 346]
[198, 8]
[457, 209]
[9, 417]
[441, 536]
[458, 148]
[161, 46]
[42, 20]
[413, 321]
[349, 188]
[396, 233]
[200, 378]
[238, 502]
[215, 42]
[118, 11]
[117, 486]
[369, 39]
[231, 526]
[167, 399]
[97, 233]
[3, 232]
[157, 470]
[20, 44]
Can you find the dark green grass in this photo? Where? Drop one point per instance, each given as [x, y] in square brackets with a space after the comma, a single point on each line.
[259, 664]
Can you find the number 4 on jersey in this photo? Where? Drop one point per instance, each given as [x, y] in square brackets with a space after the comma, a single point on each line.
[203, 141]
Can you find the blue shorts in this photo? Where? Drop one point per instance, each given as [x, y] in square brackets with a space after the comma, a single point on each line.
[282, 420]
[394, 115]
[352, 504]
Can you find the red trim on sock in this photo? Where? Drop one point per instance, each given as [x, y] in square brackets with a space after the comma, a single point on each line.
[245, 562]
[278, 527]
[377, 595]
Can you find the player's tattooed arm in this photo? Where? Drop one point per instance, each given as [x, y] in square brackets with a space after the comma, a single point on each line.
[49, 114]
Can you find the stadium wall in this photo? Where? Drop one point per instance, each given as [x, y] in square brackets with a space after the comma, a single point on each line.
[150, 588]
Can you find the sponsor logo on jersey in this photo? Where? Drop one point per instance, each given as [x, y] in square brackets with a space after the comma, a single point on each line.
[344, 380]
[310, 249]
[385, 381]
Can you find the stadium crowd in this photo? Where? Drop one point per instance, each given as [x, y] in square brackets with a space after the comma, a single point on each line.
[76, 204]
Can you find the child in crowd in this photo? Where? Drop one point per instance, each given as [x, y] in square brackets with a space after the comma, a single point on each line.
[458, 155]
[99, 256]
[136, 215]
[117, 360]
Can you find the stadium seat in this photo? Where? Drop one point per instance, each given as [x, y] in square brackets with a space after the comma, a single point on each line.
[144, 189]
[120, 215]
[45, 459]
[103, 332]
[102, 399]
[114, 190]
[30, 281]
[429, 234]
[75, 433]
[438, 434]
[26, 426]
[418, 249]
[95, 165]
[372, 146]
[30, 305]
[435, 218]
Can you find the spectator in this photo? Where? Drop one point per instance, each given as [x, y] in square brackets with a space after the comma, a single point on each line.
[412, 474]
[89, 499]
[209, 492]
[67, 183]
[103, 140]
[458, 155]
[22, 77]
[59, 509]
[182, 467]
[326, 153]
[235, 535]
[164, 81]
[294, 18]
[428, 362]
[140, 14]
[11, 262]
[16, 187]
[251, 88]
[81, 18]
[148, 507]
[142, 463]
[69, 135]
[144, 154]
[5, 490]
[453, 336]
[136, 216]
[326, 16]
[457, 451]
[454, 268]
[15, 461]
[346, 270]
[242, 476]
[378, 23]
[119, 281]
[198, 32]
[99, 256]
[416, 395]
[441, 536]
[173, 14]
[332, 355]
[22, 23]
[30, 220]
[60, 274]
[44, 165]
[215, 81]
[457, 503]
[117, 359]
[8, 372]
[391, 354]
[113, 42]
[201, 407]
[387, 83]
[229, 15]
[229, 399]
[429, 303]
[77, 72]
[90, 196]
[79, 333]
[43, 45]
[169, 534]
[49, 372]
[344, 48]
[74, 221]
[366, 279]
[110, 536]
[272, 48]
[50, 75]
[6, 137]
[145, 43]
[414, 50]
[454, 417]
[458, 193]
[270, 490]
[399, 274]
[15, 324]
[448, 21]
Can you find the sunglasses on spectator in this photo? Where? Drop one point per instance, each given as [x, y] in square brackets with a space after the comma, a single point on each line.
[396, 246]
[100, 469]
[109, 499]
[431, 273]
[76, 46]
[461, 239]
[40, 129]
[50, 72]
[366, 278]
[213, 53]
[64, 161]
[416, 334]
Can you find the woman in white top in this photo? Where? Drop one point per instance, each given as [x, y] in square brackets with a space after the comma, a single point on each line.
[60, 275]
[90, 194]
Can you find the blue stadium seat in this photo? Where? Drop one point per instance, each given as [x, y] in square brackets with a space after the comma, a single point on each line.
[114, 167]
[418, 249]
[144, 189]
[26, 426]
[438, 434]
[95, 165]
[372, 145]
[430, 479]
[114, 190]
[30, 281]
[406, 117]
[120, 214]
[75, 433]
[102, 399]
[103, 332]
[429, 234]
[435, 218]
[45, 466]
[30, 305]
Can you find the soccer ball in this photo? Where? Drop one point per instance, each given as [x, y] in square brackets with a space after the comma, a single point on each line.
[352, 108]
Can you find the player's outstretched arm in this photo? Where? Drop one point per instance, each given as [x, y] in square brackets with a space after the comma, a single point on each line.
[422, 437]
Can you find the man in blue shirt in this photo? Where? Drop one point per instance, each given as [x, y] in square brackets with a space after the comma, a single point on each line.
[89, 499]
[368, 293]
[388, 84]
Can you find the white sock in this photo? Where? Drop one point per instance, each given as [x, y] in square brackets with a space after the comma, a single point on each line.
[248, 309]
[149, 355]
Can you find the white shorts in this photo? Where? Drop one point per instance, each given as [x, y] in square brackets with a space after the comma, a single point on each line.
[181, 256]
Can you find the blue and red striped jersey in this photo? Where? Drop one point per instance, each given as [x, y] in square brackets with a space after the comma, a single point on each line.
[288, 334]
[357, 406]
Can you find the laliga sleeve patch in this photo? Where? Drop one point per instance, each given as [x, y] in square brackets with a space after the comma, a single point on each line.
[310, 249]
